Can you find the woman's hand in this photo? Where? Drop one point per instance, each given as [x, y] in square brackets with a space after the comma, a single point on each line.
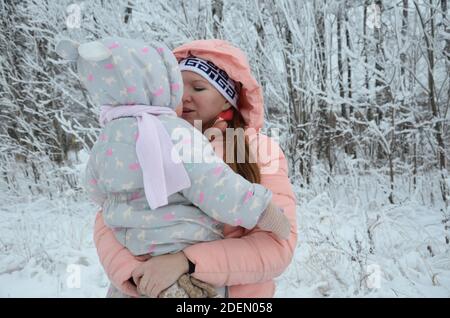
[159, 273]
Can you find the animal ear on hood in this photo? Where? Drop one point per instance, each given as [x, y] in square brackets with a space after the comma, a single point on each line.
[67, 49]
[94, 51]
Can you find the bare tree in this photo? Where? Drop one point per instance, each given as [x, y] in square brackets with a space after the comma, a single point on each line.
[365, 50]
[382, 90]
[340, 63]
[323, 131]
[217, 15]
[128, 12]
[445, 28]
[349, 65]
[429, 42]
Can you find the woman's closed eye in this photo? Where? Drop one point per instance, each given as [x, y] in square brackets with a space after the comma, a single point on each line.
[199, 89]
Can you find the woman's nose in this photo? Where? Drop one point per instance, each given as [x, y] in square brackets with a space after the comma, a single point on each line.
[186, 95]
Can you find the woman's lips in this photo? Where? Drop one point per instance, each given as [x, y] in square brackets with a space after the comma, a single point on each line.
[187, 111]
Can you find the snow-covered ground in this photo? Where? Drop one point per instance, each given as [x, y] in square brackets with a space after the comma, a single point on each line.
[352, 243]
[44, 245]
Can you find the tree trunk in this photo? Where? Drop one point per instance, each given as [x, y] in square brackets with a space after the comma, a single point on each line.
[390, 155]
[292, 63]
[429, 41]
[261, 41]
[340, 64]
[349, 149]
[321, 66]
[217, 15]
[404, 146]
[446, 29]
[379, 83]
[366, 61]
[415, 164]
[403, 41]
[349, 66]
[128, 13]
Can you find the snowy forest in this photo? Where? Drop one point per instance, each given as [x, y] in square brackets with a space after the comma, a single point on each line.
[357, 91]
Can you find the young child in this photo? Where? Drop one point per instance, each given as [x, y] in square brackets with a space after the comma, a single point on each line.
[157, 197]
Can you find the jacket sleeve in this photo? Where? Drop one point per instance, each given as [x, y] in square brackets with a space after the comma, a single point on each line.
[117, 261]
[257, 256]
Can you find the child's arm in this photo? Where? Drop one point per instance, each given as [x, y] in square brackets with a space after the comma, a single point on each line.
[256, 256]
[226, 196]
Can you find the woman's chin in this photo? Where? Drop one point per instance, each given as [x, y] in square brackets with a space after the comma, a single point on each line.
[188, 117]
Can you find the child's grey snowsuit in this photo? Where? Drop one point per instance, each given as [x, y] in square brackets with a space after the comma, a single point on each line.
[133, 72]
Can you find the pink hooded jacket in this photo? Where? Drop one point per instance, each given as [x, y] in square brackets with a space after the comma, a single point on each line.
[246, 261]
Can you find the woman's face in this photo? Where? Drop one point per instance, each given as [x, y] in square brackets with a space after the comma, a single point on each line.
[201, 100]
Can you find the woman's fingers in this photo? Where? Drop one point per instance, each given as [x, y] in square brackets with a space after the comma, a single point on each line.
[137, 273]
[145, 285]
[150, 291]
[150, 287]
[155, 291]
[137, 281]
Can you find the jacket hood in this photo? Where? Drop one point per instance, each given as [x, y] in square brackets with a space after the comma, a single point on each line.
[233, 61]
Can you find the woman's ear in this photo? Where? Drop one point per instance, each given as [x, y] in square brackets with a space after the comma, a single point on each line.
[226, 106]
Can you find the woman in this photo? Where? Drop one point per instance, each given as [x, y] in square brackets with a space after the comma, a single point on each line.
[245, 261]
